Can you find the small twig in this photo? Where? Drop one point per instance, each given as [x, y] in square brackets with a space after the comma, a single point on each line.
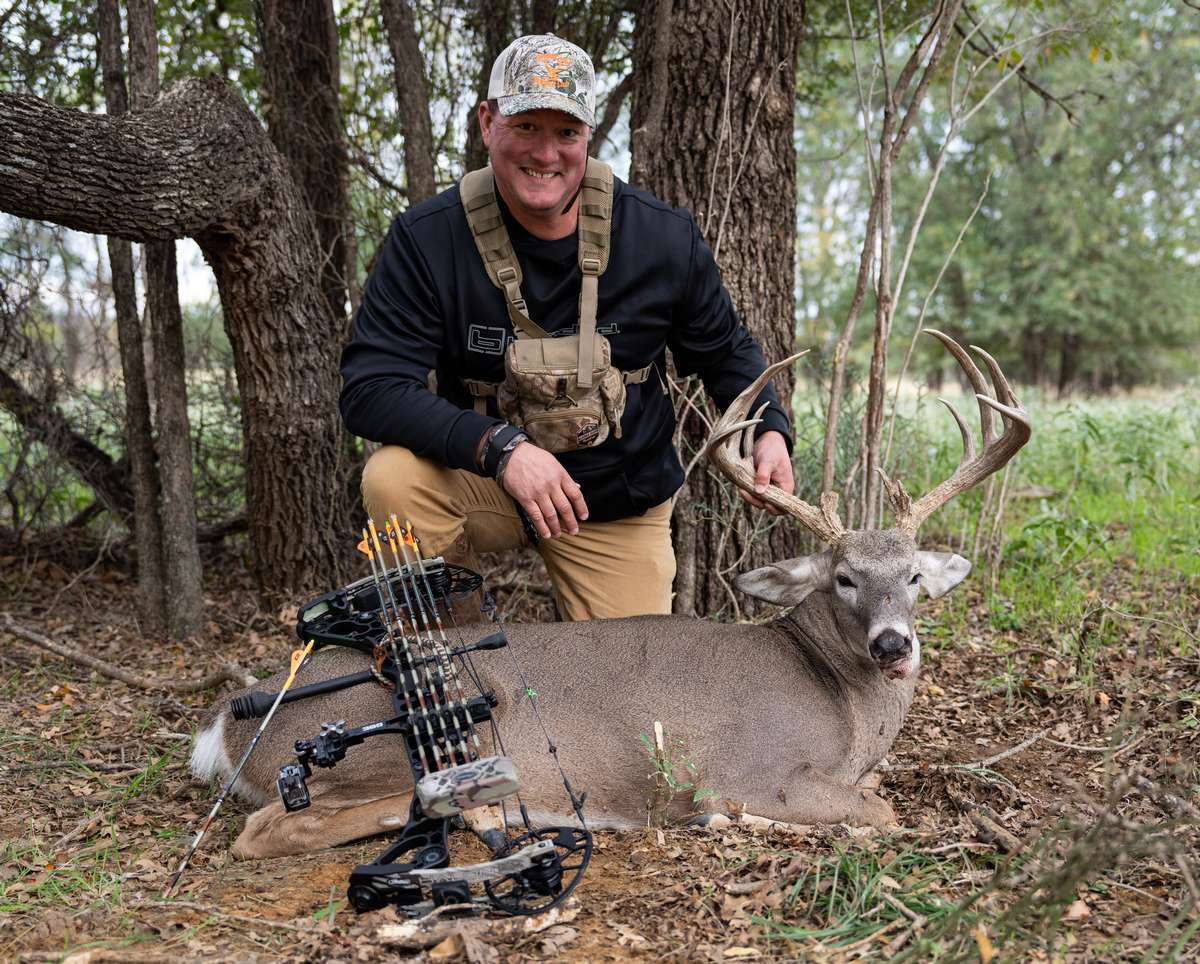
[1017, 651]
[1090, 749]
[1166, 799]
[976, 765]
[99, 766]
[227, 673]
[1188, 879]
[992, 831]
[1145, 619]
[243, 918]
[918, 921]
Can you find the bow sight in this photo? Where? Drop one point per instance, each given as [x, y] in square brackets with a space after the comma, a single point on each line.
[398, 617]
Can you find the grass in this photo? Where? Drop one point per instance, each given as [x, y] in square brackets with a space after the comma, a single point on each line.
[1101, 484]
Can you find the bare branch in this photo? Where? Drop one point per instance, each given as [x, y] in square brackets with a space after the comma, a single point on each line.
[227, 673]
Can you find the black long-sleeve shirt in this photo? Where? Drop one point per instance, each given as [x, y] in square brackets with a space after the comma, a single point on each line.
[429, 306]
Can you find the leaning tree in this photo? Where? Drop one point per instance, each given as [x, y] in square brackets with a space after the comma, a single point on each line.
[197, 163]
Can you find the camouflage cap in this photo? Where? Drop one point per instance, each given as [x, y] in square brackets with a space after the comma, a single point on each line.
[542, 71]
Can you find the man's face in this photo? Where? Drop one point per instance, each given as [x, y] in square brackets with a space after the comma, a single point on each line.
[538, 158]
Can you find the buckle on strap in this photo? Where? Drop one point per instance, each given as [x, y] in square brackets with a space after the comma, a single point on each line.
[507, 274]
[590, 266]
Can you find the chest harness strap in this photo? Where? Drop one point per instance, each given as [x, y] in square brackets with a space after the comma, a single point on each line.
[478, 192]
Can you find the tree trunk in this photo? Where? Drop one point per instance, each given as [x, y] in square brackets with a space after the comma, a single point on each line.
[412, 99]
[304, 118]
[1068, 361]
[493, 25]
[726, 153]
[139, 434]
[197, 163]
[180, 550]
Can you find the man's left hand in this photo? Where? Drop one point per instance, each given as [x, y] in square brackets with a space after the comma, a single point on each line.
[772, 466]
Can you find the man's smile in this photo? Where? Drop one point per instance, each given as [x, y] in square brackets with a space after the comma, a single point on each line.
[540, 175]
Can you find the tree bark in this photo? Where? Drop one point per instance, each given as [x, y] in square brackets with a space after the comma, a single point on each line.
[300, 85]
[180, 550]
[197, 163]
[412, 98]
[729, 157]
[139, 433]
[493, 24]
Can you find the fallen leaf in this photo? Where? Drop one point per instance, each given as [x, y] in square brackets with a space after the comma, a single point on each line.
[448, 949]
[629, 937]
[1078, 911]
[986, 950]
[741, 953]
[556, 939]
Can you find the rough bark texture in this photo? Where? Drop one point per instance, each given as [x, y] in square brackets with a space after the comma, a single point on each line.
[726, 154]
[139, 433]
[493, 23]
[300, 68]
[412, 99]
[180, 550]
[197, 163]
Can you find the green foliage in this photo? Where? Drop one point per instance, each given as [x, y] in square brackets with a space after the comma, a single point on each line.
[1078, 271]
[675, 773]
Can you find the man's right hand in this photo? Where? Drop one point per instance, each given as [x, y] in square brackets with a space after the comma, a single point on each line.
[542, 487]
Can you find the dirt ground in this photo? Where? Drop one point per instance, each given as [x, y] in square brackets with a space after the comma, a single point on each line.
[1076, 846]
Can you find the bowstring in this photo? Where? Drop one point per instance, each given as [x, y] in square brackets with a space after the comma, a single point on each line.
[531, 694]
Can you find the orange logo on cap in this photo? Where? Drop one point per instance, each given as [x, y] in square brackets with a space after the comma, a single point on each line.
[553, 64]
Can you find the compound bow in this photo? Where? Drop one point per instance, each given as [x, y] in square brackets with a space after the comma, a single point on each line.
[398, 616]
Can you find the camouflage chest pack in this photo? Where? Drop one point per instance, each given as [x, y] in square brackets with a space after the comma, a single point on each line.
[564, 392]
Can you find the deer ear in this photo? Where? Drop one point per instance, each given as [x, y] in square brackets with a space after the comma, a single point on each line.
[942, 571]
[787, 583]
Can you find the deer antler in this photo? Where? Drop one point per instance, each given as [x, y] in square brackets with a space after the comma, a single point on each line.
[732, 457]
[972, 469]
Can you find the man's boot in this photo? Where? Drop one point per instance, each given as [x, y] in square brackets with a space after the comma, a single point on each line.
[467, 606]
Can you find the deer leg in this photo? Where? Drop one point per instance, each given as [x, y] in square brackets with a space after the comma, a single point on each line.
[811, 801]
[486, 824]
[329, 821]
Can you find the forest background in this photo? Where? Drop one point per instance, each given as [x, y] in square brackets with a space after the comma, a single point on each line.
[194, 193]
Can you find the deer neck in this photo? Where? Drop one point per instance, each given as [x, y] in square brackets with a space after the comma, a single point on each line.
[835, 649]
[830, 641]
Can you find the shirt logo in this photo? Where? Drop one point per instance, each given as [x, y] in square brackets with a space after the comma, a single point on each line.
[493, 340]
[487, 340]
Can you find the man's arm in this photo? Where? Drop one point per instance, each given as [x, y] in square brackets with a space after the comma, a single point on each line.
[709, 339]
[399, 332]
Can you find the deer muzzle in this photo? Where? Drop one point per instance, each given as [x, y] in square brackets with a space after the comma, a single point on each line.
[893, 651]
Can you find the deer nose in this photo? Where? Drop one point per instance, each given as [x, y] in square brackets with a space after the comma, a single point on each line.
[890, 646]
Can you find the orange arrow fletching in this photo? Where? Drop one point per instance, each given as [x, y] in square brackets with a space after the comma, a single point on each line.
[298, 658]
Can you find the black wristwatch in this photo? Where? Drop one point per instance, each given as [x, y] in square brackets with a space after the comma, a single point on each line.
[499, 446]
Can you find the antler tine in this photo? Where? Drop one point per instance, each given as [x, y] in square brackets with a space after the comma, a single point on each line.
[1004, 392]
[997, 449]
[734, 461]
[964, 430]
[974, 375]
[747, 435]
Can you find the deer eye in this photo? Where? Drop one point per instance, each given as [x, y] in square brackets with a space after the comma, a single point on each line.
[845, 581]
[915, 579]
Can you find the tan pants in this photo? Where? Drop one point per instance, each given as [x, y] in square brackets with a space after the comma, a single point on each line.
[619, 568]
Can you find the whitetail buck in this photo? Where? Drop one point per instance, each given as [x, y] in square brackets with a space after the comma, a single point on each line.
[784, 720]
